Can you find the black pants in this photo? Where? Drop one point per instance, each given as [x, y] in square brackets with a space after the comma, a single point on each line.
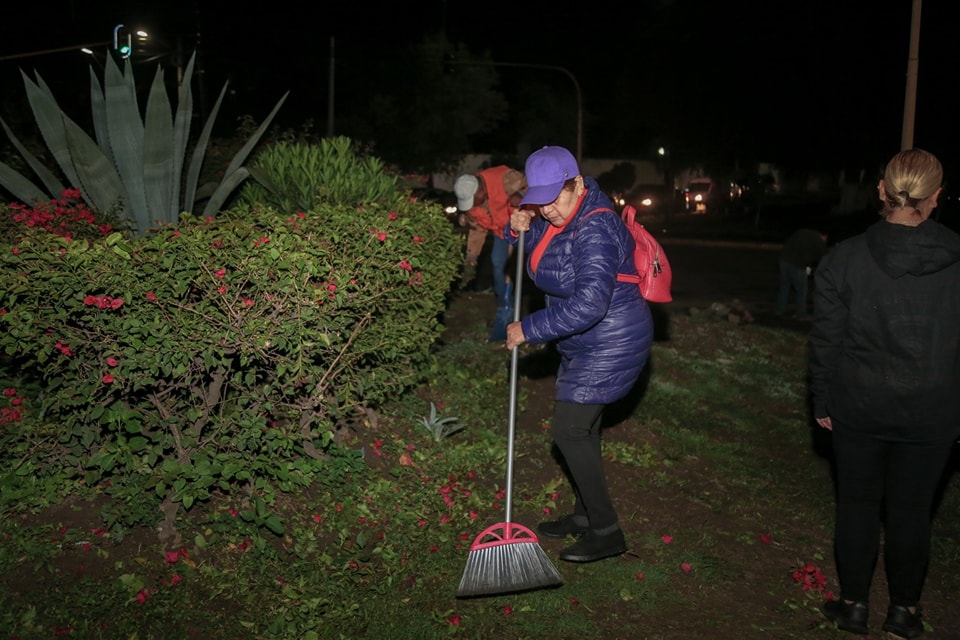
[895, 482]
[576, 430]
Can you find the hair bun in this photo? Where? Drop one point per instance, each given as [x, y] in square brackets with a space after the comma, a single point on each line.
[904, 194]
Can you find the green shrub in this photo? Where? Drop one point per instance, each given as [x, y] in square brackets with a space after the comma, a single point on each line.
[296, 176]
[222, 355]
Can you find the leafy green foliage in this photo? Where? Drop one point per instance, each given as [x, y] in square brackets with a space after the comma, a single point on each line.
[222, 355]
[135, 165]
[297, 176]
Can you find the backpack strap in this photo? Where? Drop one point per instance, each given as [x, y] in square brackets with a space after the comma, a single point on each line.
[622, 277]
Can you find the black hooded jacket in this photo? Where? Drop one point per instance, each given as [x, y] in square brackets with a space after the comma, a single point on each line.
[885, 340]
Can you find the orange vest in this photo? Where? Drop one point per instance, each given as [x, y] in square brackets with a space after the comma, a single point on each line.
[495, 213]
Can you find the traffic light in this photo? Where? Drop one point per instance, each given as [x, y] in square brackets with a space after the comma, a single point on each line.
[122, 41]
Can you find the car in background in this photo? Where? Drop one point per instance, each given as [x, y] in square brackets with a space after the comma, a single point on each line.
[702, 195]
[649, 199]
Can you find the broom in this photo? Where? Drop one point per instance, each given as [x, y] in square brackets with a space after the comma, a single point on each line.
[507, 557]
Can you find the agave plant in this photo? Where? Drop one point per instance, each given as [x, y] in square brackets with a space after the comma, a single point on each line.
[136, 165]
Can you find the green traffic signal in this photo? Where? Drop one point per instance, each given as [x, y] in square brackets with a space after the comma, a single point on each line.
[123, 48]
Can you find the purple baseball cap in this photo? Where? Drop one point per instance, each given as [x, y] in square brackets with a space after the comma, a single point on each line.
[546, 171]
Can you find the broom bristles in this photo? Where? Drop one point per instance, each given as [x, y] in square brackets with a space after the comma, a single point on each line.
[506, 568]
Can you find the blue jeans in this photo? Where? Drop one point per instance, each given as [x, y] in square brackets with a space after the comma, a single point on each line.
[793, 278]
[498, 258]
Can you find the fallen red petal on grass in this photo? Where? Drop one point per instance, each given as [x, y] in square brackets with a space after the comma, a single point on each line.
[765, 538]
[666, 539]
[686, 567]
[640, 576]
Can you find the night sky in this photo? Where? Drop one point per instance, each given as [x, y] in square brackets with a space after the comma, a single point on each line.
[814, 83]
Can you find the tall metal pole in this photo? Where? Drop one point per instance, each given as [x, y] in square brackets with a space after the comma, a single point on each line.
[913, 63]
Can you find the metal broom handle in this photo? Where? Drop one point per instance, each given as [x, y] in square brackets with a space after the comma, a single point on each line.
[514, 367]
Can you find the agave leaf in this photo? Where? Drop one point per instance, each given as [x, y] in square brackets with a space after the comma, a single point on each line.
[158, 152]
[196, 161]
[49, 118]
[98, 177]
[240, 157]
[226, 186]
[126, 138]
[50, 181]
[21, 188]
[98, 110]
[181, 135]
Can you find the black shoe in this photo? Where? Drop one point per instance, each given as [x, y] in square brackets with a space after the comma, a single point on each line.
[593, 546]
[570, 525]
[903, 624]
[850, 617]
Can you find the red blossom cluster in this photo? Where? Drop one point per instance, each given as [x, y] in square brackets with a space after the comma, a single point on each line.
[59, 217]
[103, 302]
[64, 349]
[450, 490]
[810, 578]
[11, 414]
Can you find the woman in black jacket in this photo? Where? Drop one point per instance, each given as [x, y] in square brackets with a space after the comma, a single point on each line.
[885, 376]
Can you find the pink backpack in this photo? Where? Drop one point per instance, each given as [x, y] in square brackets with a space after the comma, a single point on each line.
[654, 275]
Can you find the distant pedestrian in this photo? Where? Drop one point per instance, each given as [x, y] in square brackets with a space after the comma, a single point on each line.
[885, 375]
[800, 254]
[485, 200]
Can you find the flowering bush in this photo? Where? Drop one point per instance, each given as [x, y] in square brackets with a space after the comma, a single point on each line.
[67, 216]
[223, 354]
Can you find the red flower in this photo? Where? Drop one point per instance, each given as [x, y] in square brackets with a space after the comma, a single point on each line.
[90, 300]
[417, 239]
[111, 362]
[640, 576]
[220, 273]
[686, 567]
[9, 391]
[151, 296]
[507, 610]
[107, 378]
[175, 579]
[393, 215]
[454, 620]
[666, 539]
[172, 557]
[403, 264]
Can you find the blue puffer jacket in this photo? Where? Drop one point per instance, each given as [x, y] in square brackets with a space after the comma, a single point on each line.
[603, 327]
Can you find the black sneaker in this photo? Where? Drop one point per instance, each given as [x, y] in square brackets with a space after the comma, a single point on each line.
[903, 624]
[571, 525]
[850, 617]
[593, 546]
